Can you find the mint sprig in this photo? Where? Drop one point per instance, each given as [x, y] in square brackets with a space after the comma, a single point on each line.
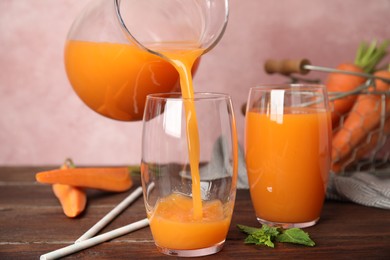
[260, 236]
[267, 235]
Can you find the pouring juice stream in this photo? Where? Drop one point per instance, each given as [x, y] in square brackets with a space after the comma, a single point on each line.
[183, 61]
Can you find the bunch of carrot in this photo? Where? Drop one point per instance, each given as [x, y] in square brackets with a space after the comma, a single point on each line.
[360, 119]
[69, 184]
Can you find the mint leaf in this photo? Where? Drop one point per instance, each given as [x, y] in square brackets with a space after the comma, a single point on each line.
[260, 236]
[267, 235]
[272, 231]
[296, 236]
[259, 239]
[247, 230]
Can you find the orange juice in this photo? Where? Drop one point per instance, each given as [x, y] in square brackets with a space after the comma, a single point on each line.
[288, 163]
[174, 227]
[114, 79]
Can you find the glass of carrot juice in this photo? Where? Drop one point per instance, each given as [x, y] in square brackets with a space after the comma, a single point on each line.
[287, 149]
[189, 171]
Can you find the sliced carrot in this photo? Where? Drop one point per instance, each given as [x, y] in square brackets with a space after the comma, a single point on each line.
[108, 179]
[73, 200]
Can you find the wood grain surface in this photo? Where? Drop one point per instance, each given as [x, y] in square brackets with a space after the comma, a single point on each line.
[32, 224]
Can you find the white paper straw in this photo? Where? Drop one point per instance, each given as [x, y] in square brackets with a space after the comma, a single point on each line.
[111, 215]
[95, 240]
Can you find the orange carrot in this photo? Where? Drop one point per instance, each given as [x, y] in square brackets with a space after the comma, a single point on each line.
[108, 179]
[365, 116]
[73, 200]
[367, 58]
[371, 142]
[338, 82]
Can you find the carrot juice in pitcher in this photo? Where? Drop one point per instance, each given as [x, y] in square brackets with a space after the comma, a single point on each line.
[114, 79]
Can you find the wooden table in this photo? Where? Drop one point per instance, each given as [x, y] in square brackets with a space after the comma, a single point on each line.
[32, 223]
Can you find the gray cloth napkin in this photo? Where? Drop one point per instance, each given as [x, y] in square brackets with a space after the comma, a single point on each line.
[365, 188]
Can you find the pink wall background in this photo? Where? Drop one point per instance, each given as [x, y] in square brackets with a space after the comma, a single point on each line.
[42, 120]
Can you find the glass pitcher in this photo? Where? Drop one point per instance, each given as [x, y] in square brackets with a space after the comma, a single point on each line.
[112, 55]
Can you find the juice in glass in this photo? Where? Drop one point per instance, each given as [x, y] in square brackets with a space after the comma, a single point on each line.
[189, 207]
[288, 160]
[173, 224]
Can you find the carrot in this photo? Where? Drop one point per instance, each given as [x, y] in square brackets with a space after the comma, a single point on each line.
[108, 179]
[339, 82]
[372, 141]
[365, 116]
[367, 57]
[73, 200]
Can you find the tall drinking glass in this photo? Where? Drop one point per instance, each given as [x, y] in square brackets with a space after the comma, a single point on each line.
[287, 147]
[189, 206]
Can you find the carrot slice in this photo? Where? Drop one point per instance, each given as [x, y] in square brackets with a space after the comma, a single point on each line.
[73, 200]
[108, 179]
